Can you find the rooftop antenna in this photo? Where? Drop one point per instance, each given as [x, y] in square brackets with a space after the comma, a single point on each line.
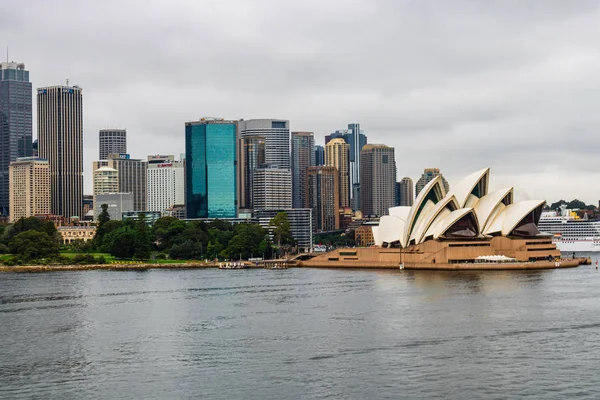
[6, 53]
[67, 81]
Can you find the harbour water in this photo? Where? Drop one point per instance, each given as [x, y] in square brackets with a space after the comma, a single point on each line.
[299, 333]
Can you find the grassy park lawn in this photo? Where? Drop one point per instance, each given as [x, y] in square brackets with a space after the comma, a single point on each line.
[72, 254]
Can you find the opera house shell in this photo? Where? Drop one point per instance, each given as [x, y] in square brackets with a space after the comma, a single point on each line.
[468, 211]
[454, 230]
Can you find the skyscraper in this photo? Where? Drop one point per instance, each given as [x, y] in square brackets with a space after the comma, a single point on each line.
[166, 183]
[112, 141]
[272, 188]
[29, 188]
[407, 194]
[356, 139]
[60, 136]
[322, 197]
[251, 155]
[210, 168]
[429, 174]
[132, 176]
[15, 122]
[319, 155]
[378, 179]
[277, 138]
[337, 155]
[303, 156]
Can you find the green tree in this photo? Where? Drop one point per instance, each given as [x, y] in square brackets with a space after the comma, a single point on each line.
[143, 244]
[246, 241]
[103, 239]
[33, 245]
[187, 250]
[282, 231]
[104, 216]
[576, 204]
[123, 242]
[556, 205]
[31, 223]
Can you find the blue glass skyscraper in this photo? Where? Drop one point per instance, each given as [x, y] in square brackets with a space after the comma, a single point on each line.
[15, 122]
[211, 168]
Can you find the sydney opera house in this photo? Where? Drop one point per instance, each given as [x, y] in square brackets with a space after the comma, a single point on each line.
[466, 227]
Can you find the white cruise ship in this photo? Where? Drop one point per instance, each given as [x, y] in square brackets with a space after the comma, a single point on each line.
[569, 232]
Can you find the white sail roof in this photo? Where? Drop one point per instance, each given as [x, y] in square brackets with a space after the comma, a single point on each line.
[432, 192]
[448, 202]
[434, 212]
[487, 204]
[452, 218]
[463, 189]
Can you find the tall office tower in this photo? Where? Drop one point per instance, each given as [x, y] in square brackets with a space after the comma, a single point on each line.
[166, 183]
[29, 179]
[272, 188]
[251, 155]
[210, 168]
[60, 136]
[378, 179]
[112, 141]
[355, 137]
[15, 122]
[397, 194]
[132, 175]
[303, 156]
[407, 193]
[337, 155]
[319, 155]
[323, 190]
[429, 174]
[277, 138]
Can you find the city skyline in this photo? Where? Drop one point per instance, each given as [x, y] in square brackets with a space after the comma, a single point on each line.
[524, 109]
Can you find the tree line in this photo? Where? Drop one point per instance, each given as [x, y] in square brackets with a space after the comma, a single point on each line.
[571, 205]
[33, 239]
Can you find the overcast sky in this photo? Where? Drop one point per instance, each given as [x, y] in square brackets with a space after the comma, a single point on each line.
[458, 85]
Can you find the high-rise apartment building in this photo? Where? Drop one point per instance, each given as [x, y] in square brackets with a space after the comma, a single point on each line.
[322, 197]
[112, 141]
[407, 193]
[29, 179]
[272, 188]
[15, 123]
[319, 155]
[166, 183]
[210, 168]
[106, 180]
[428, 175]
[60, 136]
[337, 153]
[251, 156]
[378, 179]
[277, 138]
[303, 156]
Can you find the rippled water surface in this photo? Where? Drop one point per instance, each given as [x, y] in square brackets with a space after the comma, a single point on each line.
[293, 334]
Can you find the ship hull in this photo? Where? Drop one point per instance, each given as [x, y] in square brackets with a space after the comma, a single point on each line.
[578, 245]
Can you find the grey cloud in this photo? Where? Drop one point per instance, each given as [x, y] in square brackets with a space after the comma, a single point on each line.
[457, 85]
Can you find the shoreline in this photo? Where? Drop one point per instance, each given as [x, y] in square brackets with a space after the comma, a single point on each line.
[565, 263]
